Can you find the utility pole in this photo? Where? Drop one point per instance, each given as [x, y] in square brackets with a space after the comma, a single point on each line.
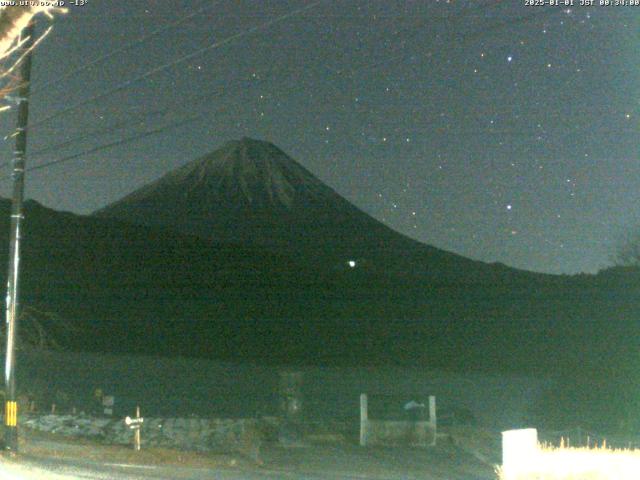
[19, 157]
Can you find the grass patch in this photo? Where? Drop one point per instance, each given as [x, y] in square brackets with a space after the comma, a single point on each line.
[582, 463]
[44, 444]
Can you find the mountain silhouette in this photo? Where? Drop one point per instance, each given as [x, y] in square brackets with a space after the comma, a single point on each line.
[251, 193]
[247, 192]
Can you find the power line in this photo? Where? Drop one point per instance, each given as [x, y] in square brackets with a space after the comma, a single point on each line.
[173, 63]
[488, 131]
[122, 124]
[170, 126]
[127, 123]
[110, 145]
[124, 48]
[93, 133]
[90, 134]
[465, 11]
[454, 17]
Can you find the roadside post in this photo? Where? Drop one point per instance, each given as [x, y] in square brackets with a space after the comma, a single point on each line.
[135, 424]
[364, 419]
[433, 419]
[291, 406]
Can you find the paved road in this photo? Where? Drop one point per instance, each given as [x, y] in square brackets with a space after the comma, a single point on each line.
[26, 468]
[48, 460]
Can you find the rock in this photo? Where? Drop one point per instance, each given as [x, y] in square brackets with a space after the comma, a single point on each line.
[198, 434]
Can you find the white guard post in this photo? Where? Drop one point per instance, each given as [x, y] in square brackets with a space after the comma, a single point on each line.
[433, 419]
[364, 419]
[519, 451]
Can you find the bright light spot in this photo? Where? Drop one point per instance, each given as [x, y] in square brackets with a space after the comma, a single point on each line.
[597, 462]
[509, 58]
[352, 263]
[509, 207]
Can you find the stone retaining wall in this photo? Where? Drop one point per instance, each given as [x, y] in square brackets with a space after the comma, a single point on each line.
[197, 434]
[389, 432]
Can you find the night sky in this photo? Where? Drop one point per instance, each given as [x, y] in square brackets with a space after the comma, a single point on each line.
[500, 131]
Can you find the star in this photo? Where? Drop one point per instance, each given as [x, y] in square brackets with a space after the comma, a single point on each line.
[438, 113]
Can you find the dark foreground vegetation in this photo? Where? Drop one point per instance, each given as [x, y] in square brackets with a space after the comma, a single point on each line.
[120, 288]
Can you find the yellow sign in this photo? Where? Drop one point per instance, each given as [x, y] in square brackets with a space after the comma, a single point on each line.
[11, 414]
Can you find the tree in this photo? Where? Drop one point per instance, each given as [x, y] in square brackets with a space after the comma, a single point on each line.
[13, 19]
[628, 253]
[41, 330]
